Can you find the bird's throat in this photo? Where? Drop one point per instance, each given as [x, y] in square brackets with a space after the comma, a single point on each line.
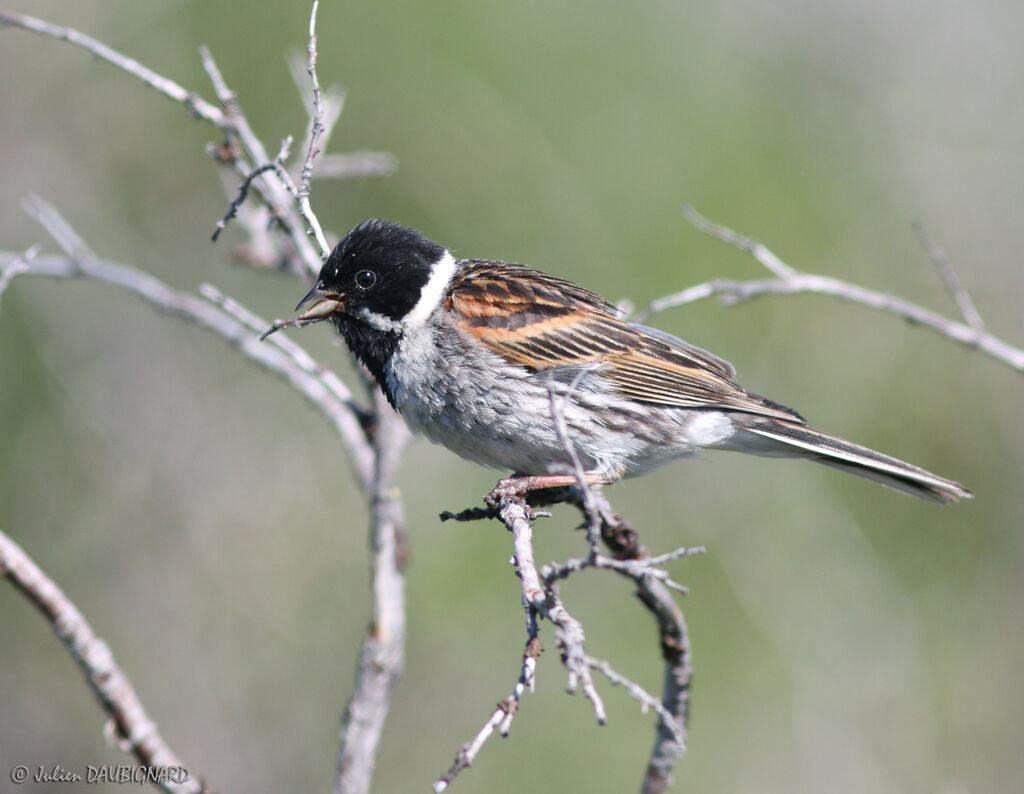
[373, 347]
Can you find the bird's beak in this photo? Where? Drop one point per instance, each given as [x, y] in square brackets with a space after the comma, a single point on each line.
[324, 303]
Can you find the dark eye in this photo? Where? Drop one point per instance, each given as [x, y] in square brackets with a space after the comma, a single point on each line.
[365, 279]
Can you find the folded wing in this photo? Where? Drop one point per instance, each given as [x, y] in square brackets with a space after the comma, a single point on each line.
[542, 322]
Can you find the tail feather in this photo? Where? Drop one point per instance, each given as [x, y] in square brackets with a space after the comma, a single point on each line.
[802, 441]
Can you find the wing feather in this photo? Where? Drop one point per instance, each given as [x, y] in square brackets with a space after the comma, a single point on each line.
[541, 322]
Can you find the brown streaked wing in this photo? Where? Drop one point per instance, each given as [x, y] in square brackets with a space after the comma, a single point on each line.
[533, 319]
[540, 321]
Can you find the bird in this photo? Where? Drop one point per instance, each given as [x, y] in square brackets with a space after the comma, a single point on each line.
[526, 372]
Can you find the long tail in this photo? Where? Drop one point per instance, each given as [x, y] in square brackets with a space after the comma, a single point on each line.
[796, 440]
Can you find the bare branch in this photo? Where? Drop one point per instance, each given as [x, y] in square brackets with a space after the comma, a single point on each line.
[669, 741]
[17, 265]
[281, 195]
[570, 636]
[949, 277]
[136, 732]
[332, 102]
[540, 600]
[374, 439]
[195, 104]
[561, 432]
[304, 210]
[631, 568]
[302, 359]
[670, 738]
[651, 582]
[316, 127]
[501, 718]
[753, 247]
[301, 192]
[356, 165]
[382, 656]
[243, 192]
[543, 597]
[309, 379]
[640, 695]
[791, 282]
[62, 232]
[230, 120]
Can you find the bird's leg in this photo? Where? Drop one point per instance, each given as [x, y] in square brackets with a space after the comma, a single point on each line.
[518, 486]
[557, 487]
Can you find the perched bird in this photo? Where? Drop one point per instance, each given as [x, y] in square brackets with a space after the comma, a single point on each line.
[475, 353]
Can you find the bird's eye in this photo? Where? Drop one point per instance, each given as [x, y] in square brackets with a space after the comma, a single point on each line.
[365, 279]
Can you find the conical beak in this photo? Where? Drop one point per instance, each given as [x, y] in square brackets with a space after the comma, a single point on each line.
[324, 303]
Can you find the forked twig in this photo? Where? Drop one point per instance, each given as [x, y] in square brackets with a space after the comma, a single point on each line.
[317, 128]
[790, 282]
[287, 360]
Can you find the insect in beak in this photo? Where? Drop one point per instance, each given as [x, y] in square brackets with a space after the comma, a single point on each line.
[324, 303]
[327, 302]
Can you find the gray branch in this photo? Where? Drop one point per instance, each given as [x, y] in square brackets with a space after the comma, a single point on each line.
[136, 732]
[356, 165]
[673, 638]
[280, 199]
[194, 103]
[541, 600]
[382, 656]
[789, 281]
[321, 388]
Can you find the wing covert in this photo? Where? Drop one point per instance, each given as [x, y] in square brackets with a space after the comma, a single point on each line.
[540, 322]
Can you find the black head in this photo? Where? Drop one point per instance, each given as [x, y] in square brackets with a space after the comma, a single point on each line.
[379, 269]
[371, 284]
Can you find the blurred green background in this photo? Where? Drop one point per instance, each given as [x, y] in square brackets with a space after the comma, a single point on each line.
[846, 638]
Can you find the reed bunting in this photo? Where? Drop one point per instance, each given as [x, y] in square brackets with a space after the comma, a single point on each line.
[474, 353]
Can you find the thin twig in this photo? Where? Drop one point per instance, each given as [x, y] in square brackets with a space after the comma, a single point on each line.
[793, 282]
[195, 104]
[302, 359]
[301, 193]
[675, 648]
[571, 639]
[280, 194]
[243, 192]
[332, 101]
[305, 210]
[356, 165]
[545, 599]
[727, 235]
[640, 695]
[540, 600]
[734, 292]
[317, 118]
[347, 421]
[635, 569]
[17, 265]
[136, 732]
[469, 514]
[556, 404]
[230, 120]
[501, 718]
[949, 277]
[62, 232]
